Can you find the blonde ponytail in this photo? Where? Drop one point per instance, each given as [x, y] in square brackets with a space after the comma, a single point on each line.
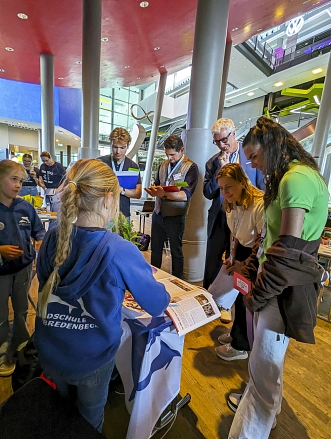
[88, 181]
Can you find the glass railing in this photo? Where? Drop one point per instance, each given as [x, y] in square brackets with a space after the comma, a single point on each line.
[262, 49]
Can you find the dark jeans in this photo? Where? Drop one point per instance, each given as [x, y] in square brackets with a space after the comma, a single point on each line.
[239, 327]
[171, 227]
[89, 391]
[217, 243]
[17, 286]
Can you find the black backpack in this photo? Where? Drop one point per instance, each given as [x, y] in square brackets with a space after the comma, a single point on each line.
[27, 366]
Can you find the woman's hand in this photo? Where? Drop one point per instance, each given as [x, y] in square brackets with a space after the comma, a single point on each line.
[10, 251]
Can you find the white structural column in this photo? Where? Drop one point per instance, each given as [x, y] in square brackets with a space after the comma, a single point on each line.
[323, 121]
[155, 128]
[47, 103]
[91, 78]
[207, 68]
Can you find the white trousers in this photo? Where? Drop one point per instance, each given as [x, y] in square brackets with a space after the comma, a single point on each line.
[262, 398]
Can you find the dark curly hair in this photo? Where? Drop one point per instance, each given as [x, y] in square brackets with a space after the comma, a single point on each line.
[279, 148]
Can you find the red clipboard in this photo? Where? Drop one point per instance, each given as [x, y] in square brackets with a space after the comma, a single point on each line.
[241, 284]
[171, 188]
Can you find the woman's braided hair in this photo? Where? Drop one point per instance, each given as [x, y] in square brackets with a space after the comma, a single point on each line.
[87, 182]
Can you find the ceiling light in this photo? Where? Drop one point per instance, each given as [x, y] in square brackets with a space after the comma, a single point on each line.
[318, 70]
[57, 140]
[161, 67]
[78, 62]
[245, 67]
[138, 77]
[156, 48]
[22, 16]
[2, 70]
[126, 67]
[234, 29]
[60, 78]
[278, 84]
[104, 39]
[9, 49]
[251, 93]
[259, 30]
[144, 4]
[316, 100]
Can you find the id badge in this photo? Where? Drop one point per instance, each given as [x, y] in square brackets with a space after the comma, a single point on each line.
[177, 176]
[242, 284]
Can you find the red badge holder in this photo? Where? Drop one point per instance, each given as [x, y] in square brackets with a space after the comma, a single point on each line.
[243, 285]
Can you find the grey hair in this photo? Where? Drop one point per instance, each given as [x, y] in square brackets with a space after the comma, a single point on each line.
[222, 123]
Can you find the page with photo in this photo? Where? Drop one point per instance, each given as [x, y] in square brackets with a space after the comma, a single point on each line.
[190, 306]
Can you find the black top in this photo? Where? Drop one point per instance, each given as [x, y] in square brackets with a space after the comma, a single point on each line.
[128, 163]
[29, 180]
[52, 175]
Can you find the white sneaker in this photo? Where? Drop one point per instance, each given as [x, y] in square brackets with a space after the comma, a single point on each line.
[226, 315]
[228, 353]
[225, 338]
[233, 401]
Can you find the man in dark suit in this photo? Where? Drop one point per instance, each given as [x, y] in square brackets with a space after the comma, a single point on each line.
[218, 233]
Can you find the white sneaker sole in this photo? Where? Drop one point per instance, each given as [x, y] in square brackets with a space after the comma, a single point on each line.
[242, 356]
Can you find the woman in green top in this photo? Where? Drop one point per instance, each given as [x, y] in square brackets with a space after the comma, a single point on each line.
[284, 295]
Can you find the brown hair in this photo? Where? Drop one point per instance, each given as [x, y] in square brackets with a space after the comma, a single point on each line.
[120, 134]
[173, 142]
[249, 192]
[46, 154]
[88, 181]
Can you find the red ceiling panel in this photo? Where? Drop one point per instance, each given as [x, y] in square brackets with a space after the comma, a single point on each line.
[133, 33]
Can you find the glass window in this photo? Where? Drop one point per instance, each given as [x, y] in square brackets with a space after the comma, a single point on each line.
[121, 107]
[182, 74]
[120, 120]
[134, 97]
[122, 94]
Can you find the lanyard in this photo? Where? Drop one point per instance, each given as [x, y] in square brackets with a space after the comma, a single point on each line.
[237, 217]
[236, 222]
[172, 171]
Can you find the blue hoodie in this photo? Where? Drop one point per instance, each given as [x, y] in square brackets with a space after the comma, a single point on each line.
[82, 330]
[18, 224]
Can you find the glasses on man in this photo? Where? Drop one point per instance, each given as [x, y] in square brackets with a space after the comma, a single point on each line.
[223, 140]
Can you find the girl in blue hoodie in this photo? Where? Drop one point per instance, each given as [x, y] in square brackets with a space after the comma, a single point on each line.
[19, 223]
[83, 271]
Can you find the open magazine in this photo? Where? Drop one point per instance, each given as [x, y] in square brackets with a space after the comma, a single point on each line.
[190, 306]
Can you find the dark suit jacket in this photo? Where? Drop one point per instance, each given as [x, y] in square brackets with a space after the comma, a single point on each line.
[212, 191]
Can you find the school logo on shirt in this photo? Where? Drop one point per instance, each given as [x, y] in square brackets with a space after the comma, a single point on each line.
[24, 220]
[71, 319]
